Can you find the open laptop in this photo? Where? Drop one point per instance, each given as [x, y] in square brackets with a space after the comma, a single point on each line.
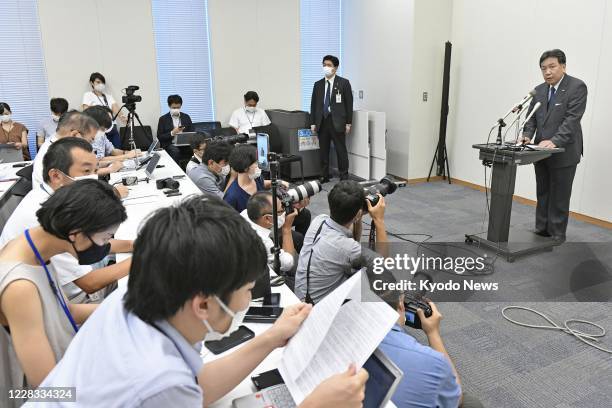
[183, 139]
[152, 164]
[384, 376]
[142, 160]
[8, 154]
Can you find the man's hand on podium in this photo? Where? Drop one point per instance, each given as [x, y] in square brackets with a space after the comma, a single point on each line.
[547, 144]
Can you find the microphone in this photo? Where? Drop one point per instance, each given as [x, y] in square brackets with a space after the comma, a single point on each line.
[533, 111]
[516, 108]
[526, 99]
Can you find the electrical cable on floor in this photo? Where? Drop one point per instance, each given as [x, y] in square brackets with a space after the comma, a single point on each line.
[486, 271]
[582, 336]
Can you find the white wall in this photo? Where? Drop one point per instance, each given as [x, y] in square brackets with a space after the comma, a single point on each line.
[113, 37]
[255, 45]
[376, 57]
[496, 47]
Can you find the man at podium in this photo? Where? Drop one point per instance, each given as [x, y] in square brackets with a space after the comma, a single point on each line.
[556, 124]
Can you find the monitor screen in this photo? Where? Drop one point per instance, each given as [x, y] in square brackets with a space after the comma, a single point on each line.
[379, 382]
[410, 317]
[263, 148]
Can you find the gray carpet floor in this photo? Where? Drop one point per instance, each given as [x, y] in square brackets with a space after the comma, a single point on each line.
[505, 365]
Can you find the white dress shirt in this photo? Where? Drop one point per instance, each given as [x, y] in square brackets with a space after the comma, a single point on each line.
[24, 217]
[37, 170]
[286, 259]
[244, 120]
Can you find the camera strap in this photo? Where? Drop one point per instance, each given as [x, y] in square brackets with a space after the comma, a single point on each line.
[308, 298]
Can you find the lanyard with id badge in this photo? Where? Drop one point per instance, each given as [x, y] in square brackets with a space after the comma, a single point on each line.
[54, 287]
[338, 97]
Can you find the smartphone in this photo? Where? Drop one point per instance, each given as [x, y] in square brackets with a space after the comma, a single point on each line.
[265, 314]
[177, 193]
[267, 379]
[20, 165]
[271, 299]
[238, 337]
[263, 148]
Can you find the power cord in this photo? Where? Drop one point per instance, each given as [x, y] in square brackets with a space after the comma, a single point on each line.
[582, 336]
[489, 270]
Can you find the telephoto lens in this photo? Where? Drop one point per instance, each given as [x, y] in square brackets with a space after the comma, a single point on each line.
[307, 189]
[384, 186]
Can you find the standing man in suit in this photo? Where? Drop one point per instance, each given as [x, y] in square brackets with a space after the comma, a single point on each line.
[556, 124]
[172, 123]
[331, 115]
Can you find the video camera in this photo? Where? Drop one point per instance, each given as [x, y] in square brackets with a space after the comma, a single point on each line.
[232, 139]
[291, 196]
[384, 186]
[129, 98]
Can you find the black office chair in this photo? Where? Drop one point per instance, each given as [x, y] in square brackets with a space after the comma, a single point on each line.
[276, 146]
[143, 137]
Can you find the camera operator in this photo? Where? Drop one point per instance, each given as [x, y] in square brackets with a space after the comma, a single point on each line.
[211, 175]
[173, 301]
[259, 215]
[331, 252]
[99, 96]
[430, 377]
[248, 181]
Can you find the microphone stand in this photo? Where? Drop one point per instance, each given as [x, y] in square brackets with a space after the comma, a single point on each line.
[274, 164]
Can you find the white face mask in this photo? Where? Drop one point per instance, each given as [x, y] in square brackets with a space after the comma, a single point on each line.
[281, 220]
[55, 118]
[100, 87]
[175, 112]
[237, 318]
[99, 135]
[225, 170]
[250, 109]
[255, 174]
[327, 71]
[5, 118]
[88, 177]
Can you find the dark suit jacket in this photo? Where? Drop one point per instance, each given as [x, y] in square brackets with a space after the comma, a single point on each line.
[560, 123]
[165, 126]
[342, 113]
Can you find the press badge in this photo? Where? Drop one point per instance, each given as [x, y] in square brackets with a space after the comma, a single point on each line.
[338, 97]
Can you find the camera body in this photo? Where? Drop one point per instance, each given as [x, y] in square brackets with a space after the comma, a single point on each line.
[167, 183]
[231, 139]
[411, 304]
[384, 186]
[129, 98]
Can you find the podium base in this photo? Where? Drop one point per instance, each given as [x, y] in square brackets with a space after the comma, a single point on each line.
[520, 243]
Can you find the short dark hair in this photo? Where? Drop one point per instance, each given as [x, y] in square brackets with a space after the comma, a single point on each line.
[101, 115]
[4, 106]
[242, 157]
[197, 140]
[345, 200]
[59, 155]
[97, 75]
[175, 99]
[259, 205]
[251, 95]
[334, 60]
[216, 152]
[75, 120]
[556, 53]
[165, 273]
[87, 206]
[58, 105]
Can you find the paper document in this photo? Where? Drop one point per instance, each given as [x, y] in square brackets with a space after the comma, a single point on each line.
[335, 334]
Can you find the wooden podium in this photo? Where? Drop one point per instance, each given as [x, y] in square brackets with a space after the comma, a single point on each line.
[507, 241]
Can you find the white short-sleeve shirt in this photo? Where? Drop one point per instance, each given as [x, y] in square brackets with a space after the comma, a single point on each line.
[244, 120]
[91, 99]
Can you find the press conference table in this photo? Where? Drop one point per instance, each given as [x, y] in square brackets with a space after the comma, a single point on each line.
[9, 177]
[143, 199]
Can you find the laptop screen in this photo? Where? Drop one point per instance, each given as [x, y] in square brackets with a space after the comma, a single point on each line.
[380, 382]
[152, 147]
[152, 164]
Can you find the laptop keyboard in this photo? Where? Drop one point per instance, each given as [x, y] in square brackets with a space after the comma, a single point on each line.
[279, 396]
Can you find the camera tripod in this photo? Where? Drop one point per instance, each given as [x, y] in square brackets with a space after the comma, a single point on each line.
[131, 108]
